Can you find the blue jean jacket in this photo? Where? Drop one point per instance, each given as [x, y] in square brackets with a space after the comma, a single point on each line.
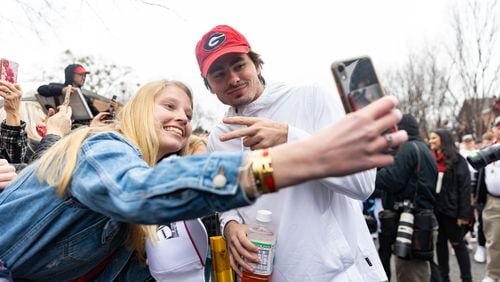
[45, 237]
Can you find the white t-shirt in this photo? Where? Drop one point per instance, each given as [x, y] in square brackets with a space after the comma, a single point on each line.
[321, 232]
[492, 178]
[180, 252]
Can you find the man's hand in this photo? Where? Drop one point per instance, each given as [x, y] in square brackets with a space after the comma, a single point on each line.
[260, 133]
[7, 174]
[240, 248]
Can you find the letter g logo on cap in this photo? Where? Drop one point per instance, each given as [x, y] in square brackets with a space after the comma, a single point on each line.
[214, 41]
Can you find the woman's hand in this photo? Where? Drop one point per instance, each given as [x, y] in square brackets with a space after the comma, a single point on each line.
[12, 101]
[354, 144]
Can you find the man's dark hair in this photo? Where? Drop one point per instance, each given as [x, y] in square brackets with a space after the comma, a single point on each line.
[257, 61]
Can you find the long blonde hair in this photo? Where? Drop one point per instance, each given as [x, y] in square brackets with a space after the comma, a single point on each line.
[29, 112]
[137, 124]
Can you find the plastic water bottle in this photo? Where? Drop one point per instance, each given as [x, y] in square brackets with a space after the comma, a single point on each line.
[263, 237]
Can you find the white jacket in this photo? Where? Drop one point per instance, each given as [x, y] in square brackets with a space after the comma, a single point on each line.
[322, 234]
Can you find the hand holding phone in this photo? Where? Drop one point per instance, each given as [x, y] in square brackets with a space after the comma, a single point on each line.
[357, 83]
[113, 106]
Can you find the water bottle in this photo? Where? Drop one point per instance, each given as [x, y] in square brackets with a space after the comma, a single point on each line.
[261, 235]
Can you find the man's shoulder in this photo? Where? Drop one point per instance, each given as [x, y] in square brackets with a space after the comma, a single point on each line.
[52, 84]
[285, 87]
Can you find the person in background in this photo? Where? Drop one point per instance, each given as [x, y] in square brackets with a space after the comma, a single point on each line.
[41, 132]
[468, 147]
[411, 178]
[99, 186]
[13, 136]
[489, 178]
[335, 244]
[479, 201]
[453, 203]
[487, 139]
[74, 75]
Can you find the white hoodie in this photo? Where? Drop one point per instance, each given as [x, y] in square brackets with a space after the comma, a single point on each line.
[321, 232]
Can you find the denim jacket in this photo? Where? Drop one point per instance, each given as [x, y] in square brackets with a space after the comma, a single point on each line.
[45, 237]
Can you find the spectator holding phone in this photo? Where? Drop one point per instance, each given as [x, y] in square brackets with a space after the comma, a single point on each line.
[42, 130]
[13, 137]
[84, 203]
[75, 75]
[335, 244]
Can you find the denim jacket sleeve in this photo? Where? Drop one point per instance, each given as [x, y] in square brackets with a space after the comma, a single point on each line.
[112, 178]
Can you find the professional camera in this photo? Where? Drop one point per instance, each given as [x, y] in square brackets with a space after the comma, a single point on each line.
[485, 156]
[402, 246]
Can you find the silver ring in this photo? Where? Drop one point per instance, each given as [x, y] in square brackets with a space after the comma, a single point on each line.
[389, 139]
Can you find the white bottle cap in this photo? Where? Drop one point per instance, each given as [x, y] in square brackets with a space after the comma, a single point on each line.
[264, 216]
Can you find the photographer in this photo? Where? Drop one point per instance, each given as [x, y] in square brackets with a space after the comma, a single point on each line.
[408, 184]
[489, 176]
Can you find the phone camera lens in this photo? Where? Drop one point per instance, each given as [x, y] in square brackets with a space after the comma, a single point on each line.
[341, 68]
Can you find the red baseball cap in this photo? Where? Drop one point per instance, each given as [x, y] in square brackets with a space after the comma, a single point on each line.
[219, 41]
[81, 70]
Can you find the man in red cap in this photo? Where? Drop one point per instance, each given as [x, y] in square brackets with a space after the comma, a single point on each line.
[321, 232]
[74, 75]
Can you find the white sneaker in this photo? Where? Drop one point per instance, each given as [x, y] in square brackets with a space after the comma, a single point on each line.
[480, 255]
[489, 279]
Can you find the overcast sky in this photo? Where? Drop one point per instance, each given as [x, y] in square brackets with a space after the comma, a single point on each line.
[297, 39]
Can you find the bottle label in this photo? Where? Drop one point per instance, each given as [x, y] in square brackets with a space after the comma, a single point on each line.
[266, 257]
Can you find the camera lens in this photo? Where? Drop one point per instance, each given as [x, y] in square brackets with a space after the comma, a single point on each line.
[341, 68]
[402, 246]
[484, 156]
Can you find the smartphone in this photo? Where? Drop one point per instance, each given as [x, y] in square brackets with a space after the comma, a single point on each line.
[357, 82]
[8, 70]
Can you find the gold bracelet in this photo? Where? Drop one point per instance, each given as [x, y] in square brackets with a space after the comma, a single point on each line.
[262, 167]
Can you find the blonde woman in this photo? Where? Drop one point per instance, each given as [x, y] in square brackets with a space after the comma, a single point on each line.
[81, 208]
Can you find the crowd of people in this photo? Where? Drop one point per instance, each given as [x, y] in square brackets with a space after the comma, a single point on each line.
[122, 199]
[435, 177]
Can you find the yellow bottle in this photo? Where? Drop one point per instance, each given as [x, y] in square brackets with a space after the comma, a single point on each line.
[221, 269]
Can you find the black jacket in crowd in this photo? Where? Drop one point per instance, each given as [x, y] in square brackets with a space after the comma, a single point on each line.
[55, 89]
[454, 199]
[401, 180]
[479, 187]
